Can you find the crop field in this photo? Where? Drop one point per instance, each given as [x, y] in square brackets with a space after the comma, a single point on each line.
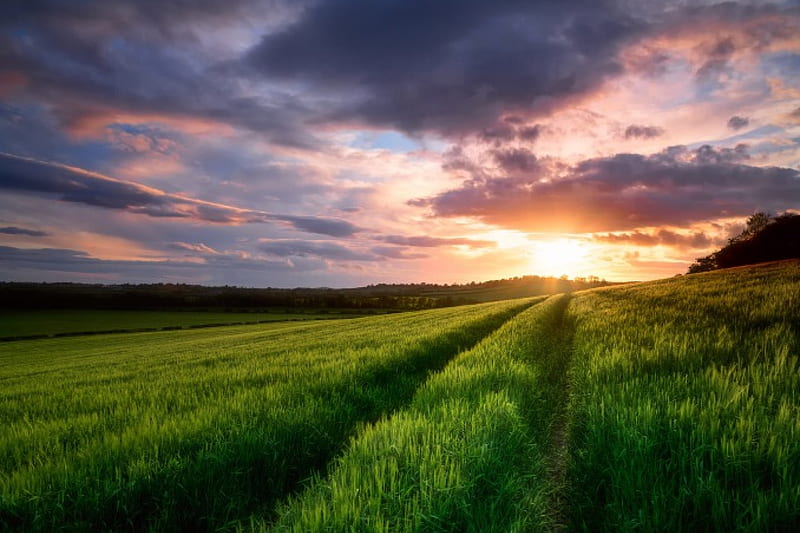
[22, 324]
[662, 406]
[191, 429]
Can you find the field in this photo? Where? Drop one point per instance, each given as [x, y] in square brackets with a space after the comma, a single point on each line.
[24, 324]
[663, 406]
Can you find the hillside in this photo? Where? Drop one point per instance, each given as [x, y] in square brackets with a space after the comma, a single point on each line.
[661, 406]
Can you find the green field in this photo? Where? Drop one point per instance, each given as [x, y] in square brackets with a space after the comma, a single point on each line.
[663, 406]
[21, 324]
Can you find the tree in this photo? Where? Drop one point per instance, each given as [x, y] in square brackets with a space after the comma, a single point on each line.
[765, 238]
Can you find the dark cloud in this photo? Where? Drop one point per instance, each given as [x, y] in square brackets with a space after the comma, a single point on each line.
[529, 133]
[72, 184]
[717, 56]
[97, 60]
[510, 128]
[451, 66]
[736, 122]
[324, 226]
[322, 249]
[160, 17]
[677, 186]
[424, 241]
[514, 160]
[643, 132]
[13, 230]
[695, 240]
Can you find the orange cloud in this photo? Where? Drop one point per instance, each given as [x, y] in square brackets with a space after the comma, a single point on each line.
[94, 123]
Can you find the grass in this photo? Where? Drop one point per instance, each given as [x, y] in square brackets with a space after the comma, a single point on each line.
[686, 414]
[470, 452]
[191, 430]
[662, 406]
[25, 324]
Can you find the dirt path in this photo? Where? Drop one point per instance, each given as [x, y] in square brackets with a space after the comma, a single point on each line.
[559, 430]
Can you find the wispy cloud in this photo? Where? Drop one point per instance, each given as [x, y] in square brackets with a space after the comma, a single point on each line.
[71, 184]
[424, 241]
[663, 237]
[13, 230]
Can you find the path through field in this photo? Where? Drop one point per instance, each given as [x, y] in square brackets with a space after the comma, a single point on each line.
[558, 454]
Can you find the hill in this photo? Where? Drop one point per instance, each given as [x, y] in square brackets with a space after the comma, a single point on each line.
[661, 406]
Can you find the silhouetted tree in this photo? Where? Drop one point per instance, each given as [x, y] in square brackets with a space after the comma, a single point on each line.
[765, 238]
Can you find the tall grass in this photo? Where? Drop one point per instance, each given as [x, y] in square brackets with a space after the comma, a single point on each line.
[686, 412]
[469, 454]
[192, 430]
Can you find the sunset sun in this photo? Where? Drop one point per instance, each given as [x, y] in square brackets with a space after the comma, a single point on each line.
[559, 256]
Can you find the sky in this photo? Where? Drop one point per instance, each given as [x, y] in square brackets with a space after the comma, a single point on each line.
[341, 143]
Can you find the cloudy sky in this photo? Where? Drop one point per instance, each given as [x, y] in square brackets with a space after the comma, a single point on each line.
[347, 142]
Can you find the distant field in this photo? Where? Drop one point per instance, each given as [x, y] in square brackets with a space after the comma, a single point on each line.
[665, 406]
[61, 322]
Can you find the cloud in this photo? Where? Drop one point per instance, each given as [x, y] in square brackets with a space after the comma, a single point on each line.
[424, 241]
[718, 54]
[91, 62]
[677, 186]
[139, 140]
[13, 230]
[643, 132]
[329, 250]
[736, 122]
[71, 184]
[695, 240]
[197, 247]
[516, 160]
[444, 66]
[396, 252]
[58, 264]
[324, 226]
[304, 248]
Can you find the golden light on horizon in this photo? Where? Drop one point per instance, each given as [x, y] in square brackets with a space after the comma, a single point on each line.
[560, 256]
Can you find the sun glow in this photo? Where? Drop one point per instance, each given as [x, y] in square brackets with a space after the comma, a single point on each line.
[559, 257]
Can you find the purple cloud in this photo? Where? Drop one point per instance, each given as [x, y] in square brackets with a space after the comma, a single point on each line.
[444, 66]
[736, 122]
[13, 230]
[77, 185]
[677, 186]
[642, 132]
[694, 240]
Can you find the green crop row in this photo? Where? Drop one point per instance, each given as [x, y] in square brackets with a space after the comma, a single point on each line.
[685, 412]
[192, 430]
[469, 454]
